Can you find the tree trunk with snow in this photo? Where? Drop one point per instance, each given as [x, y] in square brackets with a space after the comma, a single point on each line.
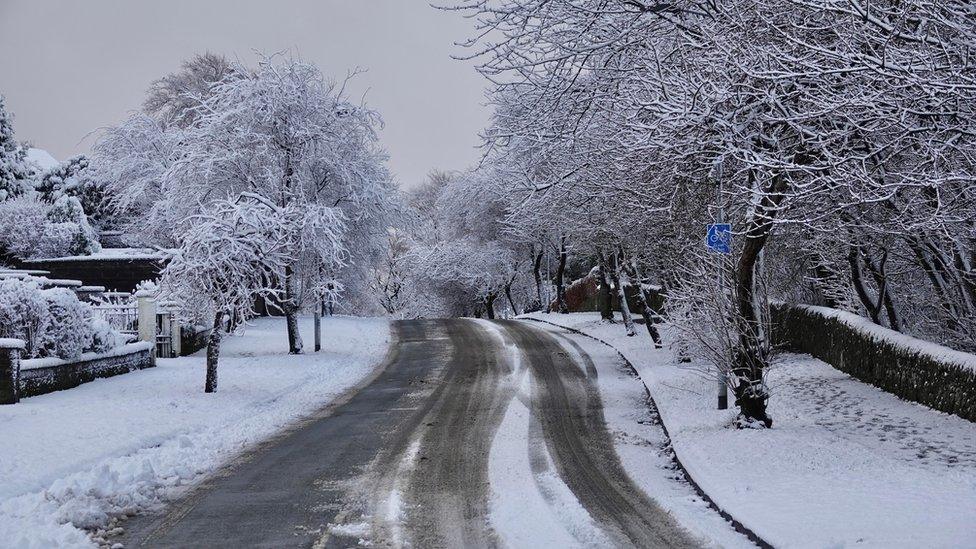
[560, 277]
[508, 294]
[752, 357]
[537, 274]
[290, 306]
[643, 304]
[213, 353]
[621, 295]
[490, 306]
[605, 296]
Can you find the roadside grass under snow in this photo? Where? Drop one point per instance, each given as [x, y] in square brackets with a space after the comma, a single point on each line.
[845, 463]
[77, 459]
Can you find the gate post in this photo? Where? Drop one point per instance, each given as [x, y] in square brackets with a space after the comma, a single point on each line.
[147, 316]
[10, 370]
[175, 336]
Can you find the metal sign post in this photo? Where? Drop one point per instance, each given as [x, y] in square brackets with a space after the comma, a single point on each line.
[718, 237]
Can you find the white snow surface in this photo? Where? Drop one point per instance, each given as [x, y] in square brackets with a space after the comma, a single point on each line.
[845, 463]
[75, 459]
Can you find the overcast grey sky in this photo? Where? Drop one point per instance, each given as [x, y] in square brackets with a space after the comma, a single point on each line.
[68, 67]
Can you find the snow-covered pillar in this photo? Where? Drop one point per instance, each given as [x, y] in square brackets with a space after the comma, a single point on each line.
[10, 350]
[147, 316]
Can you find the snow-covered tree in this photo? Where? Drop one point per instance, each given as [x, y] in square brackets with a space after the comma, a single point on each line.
[816, 116]
[235, 251]
[285, 133]
[14, 172]
[174, 99]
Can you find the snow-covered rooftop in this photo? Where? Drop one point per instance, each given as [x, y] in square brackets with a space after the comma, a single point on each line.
[41, 158]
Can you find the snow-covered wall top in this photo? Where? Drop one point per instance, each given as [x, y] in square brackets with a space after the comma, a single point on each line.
[112, 253]
[881, 334]
[11, 343]
[55, 361]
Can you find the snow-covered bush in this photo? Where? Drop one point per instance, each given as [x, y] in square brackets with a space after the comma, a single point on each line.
[52, 322]
[31, 228]
[23, 313]
[104, 337]
[69, 217]
[69, 331]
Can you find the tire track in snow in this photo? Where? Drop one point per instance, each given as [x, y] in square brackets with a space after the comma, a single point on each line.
[568, 406]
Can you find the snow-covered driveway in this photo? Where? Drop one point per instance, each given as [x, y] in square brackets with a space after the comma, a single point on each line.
[132, 442]
[476, 434]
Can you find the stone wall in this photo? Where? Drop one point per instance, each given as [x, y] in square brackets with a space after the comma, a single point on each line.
[45, 375]
[908, 367]
[192, 339]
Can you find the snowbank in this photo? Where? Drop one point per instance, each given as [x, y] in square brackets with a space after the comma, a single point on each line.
[75, 459]
[846, 464]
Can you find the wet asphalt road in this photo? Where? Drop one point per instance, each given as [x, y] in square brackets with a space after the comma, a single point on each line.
[403, 459]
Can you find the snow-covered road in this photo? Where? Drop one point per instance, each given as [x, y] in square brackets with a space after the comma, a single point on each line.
[78, 459]
[476, 434]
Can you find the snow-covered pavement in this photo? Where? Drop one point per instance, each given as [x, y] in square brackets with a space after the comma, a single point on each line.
[844, 465]
[132, 442]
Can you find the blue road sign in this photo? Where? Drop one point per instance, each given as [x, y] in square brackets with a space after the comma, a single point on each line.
[719, 237]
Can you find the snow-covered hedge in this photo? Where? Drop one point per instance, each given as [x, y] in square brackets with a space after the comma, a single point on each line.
[911, 368]
[52, 322]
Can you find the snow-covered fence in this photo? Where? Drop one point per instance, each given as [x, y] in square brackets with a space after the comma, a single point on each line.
[44, 375]
[911, 368]
[144, 319]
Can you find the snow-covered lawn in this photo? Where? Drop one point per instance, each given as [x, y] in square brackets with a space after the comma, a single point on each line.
[845, 464]
[77, 458]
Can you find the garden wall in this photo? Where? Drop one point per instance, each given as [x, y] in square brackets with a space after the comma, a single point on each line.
[45, 375]
[913, 369]
[192, 339]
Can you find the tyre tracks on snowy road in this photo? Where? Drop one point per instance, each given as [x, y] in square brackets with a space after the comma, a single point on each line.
[474, 434]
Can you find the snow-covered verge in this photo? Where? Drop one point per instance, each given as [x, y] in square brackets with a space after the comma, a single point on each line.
[74, 460]
[845, 464]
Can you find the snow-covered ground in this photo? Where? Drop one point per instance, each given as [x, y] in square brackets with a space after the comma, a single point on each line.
[844, 465]
[76, 459]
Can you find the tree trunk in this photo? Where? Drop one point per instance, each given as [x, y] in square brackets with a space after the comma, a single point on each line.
[291, 314]
[213, 353]
[873, 309]
[490, 306]
[884, 296]
[752, 356]
[537, 273]
[508, 294]
[621, 295]
[605, 297]
[560, 275]
[645, 309]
